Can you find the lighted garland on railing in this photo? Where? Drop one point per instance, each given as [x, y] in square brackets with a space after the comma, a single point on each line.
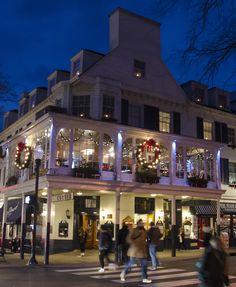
[149, 146]
[67, 139]
[23, 156]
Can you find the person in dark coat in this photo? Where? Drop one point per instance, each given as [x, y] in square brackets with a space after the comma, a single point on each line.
[154, 236]
[181, 239]
[104, 246]
[82, 240]
[213, 268]
[123, 245]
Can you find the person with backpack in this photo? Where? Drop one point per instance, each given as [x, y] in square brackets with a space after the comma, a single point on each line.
[104, 246]
[154, 236]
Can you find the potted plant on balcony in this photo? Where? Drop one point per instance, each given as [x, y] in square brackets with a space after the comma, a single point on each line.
[147, 176]
[197, 181]
[87, 170]
[12, 180]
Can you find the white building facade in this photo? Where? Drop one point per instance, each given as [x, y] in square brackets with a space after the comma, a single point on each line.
[121, 141]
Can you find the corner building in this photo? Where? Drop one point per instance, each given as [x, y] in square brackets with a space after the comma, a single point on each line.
[120, 142]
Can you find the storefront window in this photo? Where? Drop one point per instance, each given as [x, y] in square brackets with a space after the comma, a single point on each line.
[179, 162]
[86, 144]
[127, 156]
[195, 162]
[209, 165]
[108, 153]
[164, 161]
[62, 147]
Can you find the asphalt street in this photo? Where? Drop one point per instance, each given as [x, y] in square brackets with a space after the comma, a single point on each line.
[171, 274]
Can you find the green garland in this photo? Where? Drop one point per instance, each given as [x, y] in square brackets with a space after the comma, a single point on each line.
[25, 162]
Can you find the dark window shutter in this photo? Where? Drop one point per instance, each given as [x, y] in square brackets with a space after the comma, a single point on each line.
[217, 132]
[224, 168]
[124, 111]
[199, 128]
[224, 130]
[151, 118]
[176, 123]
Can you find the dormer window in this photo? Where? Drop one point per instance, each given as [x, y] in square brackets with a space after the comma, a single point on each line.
[199, 95]
[222, 102]
[139, 69]
[76, 67]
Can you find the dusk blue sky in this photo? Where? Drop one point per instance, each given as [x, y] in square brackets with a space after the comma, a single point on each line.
[38, 37]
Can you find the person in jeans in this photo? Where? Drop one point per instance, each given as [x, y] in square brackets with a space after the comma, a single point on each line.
[154, 235]
[82, 240]
[105, 244]
[123, 245]
[137, 239]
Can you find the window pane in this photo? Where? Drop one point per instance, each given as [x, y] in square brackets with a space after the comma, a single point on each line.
[164, 119]
[207, 130]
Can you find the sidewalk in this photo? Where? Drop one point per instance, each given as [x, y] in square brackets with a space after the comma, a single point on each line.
[91, 257]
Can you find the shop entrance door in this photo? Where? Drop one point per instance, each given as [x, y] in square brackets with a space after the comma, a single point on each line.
[90, 224]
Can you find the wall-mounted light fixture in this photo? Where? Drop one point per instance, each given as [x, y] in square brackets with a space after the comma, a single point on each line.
[68, 214]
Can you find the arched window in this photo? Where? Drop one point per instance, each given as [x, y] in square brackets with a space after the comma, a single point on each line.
[108, 153]
[85, 152]
[63, 147]
[127, 156]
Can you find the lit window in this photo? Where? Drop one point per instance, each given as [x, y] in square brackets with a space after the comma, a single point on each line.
[207, 130]
[76, 67]
[164, 120]
[139, 69]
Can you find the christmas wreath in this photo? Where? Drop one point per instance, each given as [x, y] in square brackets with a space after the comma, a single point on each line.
[150, 147]
[23, 156]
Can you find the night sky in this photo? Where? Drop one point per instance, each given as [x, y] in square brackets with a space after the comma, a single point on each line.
[38, 37]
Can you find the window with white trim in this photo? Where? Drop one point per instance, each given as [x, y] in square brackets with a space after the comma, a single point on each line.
[81, 106]
[164, 122]
[207, 130]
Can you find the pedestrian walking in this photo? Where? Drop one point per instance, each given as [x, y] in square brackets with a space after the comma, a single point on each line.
[213, 267]
[123, 245]
[181, 239]
[105, 245]
[137, 251]
[154, 236]
[82, 240]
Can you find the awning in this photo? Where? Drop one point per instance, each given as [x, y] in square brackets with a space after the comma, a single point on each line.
[205, 210]
[14, 208]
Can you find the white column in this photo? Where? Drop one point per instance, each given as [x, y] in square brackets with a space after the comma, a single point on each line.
[173, 163]
[71, 147]
[100, 152]
[217, 169]
[118, 154]
[52, 147]
[185, 162]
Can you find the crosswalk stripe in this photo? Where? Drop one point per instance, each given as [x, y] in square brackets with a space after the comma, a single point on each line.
[133, 274]
[167, 276]
[185, 282]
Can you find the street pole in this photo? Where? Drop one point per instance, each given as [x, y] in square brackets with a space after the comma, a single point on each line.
[38, 155]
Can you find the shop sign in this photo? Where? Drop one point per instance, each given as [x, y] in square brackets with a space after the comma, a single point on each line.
[228, 207]
[62, 197]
